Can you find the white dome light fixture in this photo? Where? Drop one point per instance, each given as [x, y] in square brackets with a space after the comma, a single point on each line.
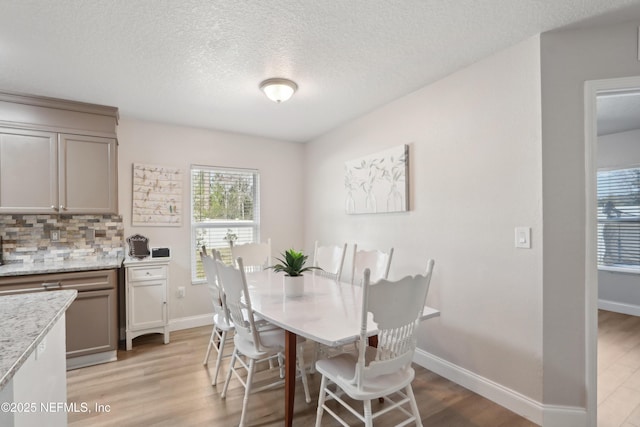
[278, 90]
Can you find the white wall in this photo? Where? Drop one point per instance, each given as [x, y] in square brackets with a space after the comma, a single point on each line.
[569, 58]
[475, 165]
[618, 291]
[280, 166]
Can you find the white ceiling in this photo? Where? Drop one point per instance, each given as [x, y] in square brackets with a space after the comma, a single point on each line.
[199, 62]
[618, 112]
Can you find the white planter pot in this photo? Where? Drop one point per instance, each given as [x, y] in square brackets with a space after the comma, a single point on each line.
[293, 286]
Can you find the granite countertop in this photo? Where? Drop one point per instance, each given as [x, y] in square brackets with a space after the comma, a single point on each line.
[25, 319]
[20, 269]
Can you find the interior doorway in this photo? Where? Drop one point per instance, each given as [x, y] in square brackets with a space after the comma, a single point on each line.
[609, 109]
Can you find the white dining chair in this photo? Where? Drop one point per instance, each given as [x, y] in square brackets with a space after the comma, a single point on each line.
[330, 259]
[256, 256]
[376, 261]
[385, 370]
[222, 324]
[255, 344]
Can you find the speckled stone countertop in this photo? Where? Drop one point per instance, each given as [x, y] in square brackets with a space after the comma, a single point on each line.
[25, 319]
[19, 269]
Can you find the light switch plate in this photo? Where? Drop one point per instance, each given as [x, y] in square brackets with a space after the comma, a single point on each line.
[523, 237]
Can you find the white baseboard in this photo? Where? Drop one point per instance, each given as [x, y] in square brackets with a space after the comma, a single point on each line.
[92, 359]
[534, 411]
[190, 322]
[503, 396]
[564, 416]
[619, 307]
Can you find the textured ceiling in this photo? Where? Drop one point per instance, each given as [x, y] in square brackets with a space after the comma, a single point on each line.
[199, 62]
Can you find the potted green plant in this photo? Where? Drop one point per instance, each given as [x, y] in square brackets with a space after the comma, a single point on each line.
[292, 264]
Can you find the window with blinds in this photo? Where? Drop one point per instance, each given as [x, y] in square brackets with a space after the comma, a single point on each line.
[619, 218]
[225, 208]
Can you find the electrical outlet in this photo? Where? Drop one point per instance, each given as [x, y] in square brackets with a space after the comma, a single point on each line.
[55, 235]
[90, 234]
[181, 292]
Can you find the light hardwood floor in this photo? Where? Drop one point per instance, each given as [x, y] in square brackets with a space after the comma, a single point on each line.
[167, 385]
[618, 370]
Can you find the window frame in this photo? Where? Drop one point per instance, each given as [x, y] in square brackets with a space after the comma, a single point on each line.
[253, 224]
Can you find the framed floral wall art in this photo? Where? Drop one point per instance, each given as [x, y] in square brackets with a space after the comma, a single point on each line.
[378, 183]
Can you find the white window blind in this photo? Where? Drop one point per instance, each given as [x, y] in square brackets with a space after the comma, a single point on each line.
[225, 205]
[619, 218]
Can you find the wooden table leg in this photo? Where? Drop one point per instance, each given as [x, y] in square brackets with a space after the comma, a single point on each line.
[373, 341]
[290, 344]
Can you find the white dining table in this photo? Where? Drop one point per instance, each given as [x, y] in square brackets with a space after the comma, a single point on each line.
[328, 312]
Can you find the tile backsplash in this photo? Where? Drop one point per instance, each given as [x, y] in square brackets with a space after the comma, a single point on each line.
[28, 238]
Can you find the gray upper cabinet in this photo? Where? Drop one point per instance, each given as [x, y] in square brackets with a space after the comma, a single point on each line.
[28, 171]
[57, 156]
[88, 174]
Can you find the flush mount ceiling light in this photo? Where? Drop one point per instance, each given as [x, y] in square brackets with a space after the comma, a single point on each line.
[278, 90]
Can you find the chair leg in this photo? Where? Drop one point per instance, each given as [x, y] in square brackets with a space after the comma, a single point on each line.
[316, 356]
[280, 364]
[206, 357]
[414, 405]
[247, 391]
[303, 373]
[321, 399]
[223, 340]
[231, 367]
[368, 419]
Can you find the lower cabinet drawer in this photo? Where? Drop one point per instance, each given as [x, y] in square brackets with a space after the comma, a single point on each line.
[81, 281]
[151, 272]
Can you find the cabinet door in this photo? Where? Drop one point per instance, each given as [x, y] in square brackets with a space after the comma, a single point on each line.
[147, 304]
[88, 174]
[28, 171]
[92, 324]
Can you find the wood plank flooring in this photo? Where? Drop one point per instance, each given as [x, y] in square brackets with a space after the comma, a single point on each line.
[167, 385]
[618, 370]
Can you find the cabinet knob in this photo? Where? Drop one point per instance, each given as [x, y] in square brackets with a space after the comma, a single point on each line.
[54, 207]
[62, 207]
[148, 273]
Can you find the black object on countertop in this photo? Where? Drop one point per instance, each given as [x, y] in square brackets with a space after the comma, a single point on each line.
[138, 246]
